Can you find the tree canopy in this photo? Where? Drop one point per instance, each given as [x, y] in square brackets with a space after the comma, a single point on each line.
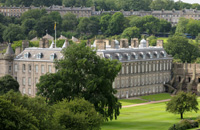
[81, 73]
[181, 103]
[7, 83]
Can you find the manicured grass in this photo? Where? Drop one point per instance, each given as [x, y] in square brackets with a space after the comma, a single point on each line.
[157, 97]
[146, 117]
[126, 102]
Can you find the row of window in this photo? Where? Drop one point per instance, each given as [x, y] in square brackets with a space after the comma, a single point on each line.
[40, 55]
[141, 68]
[36, 68]
[141, 80]
[140, 91]
[29, 81]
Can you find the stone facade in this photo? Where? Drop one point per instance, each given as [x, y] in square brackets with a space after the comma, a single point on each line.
[144, 69]
[13, 11]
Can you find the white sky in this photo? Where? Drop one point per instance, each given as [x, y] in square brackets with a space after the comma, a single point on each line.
[190, 1]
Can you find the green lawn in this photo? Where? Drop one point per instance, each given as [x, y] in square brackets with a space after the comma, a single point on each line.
[163, 38]
[157, 97]
[146, 117]
[126, 102]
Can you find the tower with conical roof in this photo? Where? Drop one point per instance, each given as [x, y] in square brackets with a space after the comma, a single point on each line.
[6, 61]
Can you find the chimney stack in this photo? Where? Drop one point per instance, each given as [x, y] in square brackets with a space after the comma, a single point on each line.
[159, 43]
[134, 42]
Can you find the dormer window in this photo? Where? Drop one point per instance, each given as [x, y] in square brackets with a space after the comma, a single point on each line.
[27, 55]
[52, 56]
[163, 53]
[39, 55]
[119, 56]
[108, 56]
[142, 55]
[127, 56]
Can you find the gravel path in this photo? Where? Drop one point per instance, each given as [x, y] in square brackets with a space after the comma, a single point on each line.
[140, 104]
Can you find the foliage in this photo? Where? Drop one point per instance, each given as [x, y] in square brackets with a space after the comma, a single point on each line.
[7, 83]
[81, 73]
[182, 103]
[13, 33]
[157, 97]
[184, 125]
[131, 32]
[78, 114]
[34, 43]
[181, 26]
[152, 40]
[69, 22]
[180, 48]
[16, 118]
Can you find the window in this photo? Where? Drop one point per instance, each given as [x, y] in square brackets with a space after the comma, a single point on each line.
[42, 68]
[149, 67]
[52, 56]
[16, 68]
[142, 68]
[29, 81]
[24, 67]
[29, 68]
[29, 91]
[122, 69]
[49, 68]
[135, 69]
[160, 66]
[154, 67]
[36, 68]
[39, 55]
[138, 68]
[24, 81]
[9, 68]
[36, 80]
[24, 90]
[127, 69]
[131, 69]
[27, 55]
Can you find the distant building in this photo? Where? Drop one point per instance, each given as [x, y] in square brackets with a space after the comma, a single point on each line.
[13, 11]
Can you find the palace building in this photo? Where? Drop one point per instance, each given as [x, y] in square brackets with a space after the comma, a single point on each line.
[144, 69]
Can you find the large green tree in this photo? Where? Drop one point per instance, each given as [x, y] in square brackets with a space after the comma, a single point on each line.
[131, 32]
[180, 48]
[7, 83]
[81, 73]
[193, 27]
[182, 25]
[181, 103]
[77, 114]
[69, 22]
[15, 118]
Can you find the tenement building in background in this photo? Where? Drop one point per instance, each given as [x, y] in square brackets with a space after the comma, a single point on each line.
[171, 16]
[144, 69]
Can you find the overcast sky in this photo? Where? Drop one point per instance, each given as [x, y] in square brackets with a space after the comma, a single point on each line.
[190, 1]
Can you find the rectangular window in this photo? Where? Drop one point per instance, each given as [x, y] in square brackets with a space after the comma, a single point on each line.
[29, 81]
[138, 68]
[149, 67]
[24, 81]
[36, 80]
[29, 68]
[154, 67]
[131, 69]
[127, 69]
[29, 91]
[42, 69]
[36, 68]
[9, 68]
[24, 90]
[49, 68]
[16, 68]
[24, 67]
[122, 69]
[135, 69]
[160, 66]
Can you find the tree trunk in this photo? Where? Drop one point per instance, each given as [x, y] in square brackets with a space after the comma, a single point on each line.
[181, 115]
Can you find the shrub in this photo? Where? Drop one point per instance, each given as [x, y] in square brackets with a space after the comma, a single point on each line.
[184, 125]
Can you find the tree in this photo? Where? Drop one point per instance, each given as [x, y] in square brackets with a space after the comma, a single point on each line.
[2, 28]
[7, 83]
[193, 27]
[165, 26]
[83, 25]
[182, 103]
[152, 40]
[181, 26]
[28, 25]
[104, 22]
[180, 48]
[116, 24]
[162, 4]
[151, 24]
[131, 32]
[69, 22]
[36, 106]
[16, 118]
[78, 114]
[81, 73]
[13, 33]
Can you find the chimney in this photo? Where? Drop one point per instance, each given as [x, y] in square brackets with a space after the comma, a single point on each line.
[17, 50]
[134, 42]
[44, 43]
[124, 43]
[101, 45]
[113, 44]
[147, 43]
[25, 44]
[159, 43]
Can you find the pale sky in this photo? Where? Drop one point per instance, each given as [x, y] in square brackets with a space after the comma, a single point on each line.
[190, 1]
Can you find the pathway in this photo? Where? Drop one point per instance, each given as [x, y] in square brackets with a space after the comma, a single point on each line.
[140, 104]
